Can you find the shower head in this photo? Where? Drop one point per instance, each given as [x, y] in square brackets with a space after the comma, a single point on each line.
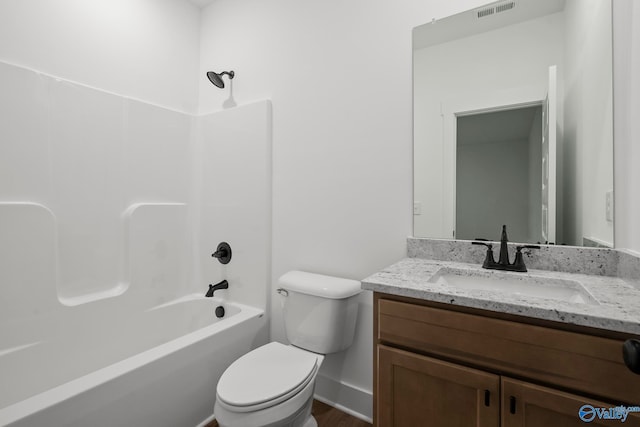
[216, 78]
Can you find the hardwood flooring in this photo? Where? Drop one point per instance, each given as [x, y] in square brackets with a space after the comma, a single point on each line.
[327, 416]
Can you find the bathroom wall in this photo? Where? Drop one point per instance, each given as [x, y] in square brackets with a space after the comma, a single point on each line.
[626, 67]
[339, 77]
[142, 49]
[587, 149]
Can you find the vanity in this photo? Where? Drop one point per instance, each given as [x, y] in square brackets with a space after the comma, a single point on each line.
[451, 353]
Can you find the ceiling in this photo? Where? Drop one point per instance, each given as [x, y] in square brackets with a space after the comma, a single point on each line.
[499, 126]
[468, 23]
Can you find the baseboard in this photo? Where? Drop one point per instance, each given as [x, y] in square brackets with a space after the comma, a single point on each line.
[207, 421]
[345, 397]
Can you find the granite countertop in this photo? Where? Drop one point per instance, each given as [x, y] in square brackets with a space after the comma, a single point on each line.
[617, 305]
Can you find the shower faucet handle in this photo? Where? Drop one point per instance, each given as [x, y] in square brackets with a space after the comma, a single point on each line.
[223, 253]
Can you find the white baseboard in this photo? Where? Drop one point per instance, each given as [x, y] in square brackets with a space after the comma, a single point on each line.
[345, 397]
[207, 420]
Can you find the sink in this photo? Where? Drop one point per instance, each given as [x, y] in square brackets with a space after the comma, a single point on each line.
[514, 284]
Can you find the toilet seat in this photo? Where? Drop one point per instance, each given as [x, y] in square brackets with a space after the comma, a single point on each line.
[283, 371]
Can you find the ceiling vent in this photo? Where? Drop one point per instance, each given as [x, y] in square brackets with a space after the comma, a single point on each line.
[487, 11]
[505, 6]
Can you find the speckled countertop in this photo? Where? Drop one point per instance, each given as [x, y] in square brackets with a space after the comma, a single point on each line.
[617, 307]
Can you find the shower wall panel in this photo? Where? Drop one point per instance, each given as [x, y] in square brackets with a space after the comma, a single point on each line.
[87, 180]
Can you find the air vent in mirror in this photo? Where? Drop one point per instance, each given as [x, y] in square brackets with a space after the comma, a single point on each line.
[487, 11]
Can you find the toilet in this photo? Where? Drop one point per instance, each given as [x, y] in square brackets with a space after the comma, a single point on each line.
[273, 385]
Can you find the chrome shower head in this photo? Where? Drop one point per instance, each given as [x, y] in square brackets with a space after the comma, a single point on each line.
[216, 78]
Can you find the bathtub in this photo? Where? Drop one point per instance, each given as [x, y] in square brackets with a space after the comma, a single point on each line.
[121, 365]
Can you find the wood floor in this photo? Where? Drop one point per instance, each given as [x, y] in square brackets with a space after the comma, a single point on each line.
[327, 416]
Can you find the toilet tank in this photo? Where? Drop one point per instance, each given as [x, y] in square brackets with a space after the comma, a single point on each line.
[319, 312]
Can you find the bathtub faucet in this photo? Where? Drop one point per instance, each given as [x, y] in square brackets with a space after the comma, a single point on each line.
[212, 288]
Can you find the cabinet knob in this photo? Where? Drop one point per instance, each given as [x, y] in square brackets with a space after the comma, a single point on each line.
[631, 355]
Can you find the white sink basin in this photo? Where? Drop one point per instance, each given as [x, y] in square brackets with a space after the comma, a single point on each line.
[515, 284]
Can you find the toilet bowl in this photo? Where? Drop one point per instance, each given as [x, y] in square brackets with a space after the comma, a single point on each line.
[281, 397]
[273, 385]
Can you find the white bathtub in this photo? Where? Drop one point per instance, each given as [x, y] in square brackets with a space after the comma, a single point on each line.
[95, 366]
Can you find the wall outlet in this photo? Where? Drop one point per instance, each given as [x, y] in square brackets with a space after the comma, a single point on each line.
[417, 208]
[609, 205]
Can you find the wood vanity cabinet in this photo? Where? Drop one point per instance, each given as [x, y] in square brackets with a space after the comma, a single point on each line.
[439, 365]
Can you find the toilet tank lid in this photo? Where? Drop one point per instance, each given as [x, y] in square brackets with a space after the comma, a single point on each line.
[319, 285]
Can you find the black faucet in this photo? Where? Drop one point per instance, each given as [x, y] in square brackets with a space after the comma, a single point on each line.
[212, 288]
[503, 262]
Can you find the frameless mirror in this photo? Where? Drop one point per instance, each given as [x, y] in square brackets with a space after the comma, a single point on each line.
[513, 123]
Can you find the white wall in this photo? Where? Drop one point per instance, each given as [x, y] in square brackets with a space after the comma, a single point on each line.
[339, 77]
[467, 69]
[588, 125]
[142, 49]
[626, 18]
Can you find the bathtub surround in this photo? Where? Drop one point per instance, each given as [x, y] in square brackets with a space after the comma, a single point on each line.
[107, 195]
[234, 200]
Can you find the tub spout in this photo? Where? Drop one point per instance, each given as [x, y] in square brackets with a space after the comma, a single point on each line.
[212, 288]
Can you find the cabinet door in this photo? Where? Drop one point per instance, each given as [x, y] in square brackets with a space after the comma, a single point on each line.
[528, 405]
[415, 391]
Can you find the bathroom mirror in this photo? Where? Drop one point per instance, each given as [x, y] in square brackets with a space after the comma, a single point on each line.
[513, 123]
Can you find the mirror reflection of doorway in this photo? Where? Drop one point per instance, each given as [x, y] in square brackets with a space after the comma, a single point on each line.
[499, 174]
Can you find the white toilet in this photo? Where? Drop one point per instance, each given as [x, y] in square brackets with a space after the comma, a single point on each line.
[273, 385]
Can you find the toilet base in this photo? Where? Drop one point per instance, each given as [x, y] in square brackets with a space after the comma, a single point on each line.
[311, 422]
[295, 412]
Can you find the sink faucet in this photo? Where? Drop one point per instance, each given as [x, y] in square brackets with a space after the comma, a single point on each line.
[212, 288]
[503, 261]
